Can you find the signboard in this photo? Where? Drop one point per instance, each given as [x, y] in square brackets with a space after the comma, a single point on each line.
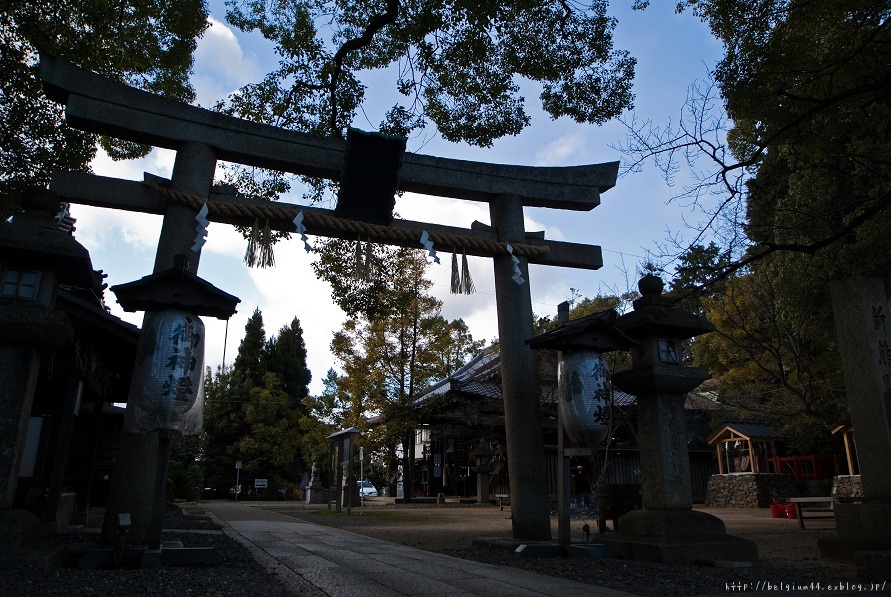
[261, 483]
[238, 465]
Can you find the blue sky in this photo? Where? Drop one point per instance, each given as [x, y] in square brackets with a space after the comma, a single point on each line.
[672, 52]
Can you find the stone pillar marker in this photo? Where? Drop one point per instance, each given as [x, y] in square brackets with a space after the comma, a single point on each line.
[863, 323]
[667, 529]
[315, 490]
[482, 458]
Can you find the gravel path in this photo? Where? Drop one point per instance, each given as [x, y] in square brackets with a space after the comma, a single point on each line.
[241, 574]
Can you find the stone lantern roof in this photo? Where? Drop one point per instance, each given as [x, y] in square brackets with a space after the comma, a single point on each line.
[176, 288]
[595, 332]
[653, 313]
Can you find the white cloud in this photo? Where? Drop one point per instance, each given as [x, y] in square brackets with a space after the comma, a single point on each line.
[221, 66]
[561, 151]
[97, 228]
[291, 289]
[159, 162]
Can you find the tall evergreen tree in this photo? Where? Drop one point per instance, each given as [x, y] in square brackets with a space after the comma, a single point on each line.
[269, 448]
[249, 364]
[286, 357]
[225, 396]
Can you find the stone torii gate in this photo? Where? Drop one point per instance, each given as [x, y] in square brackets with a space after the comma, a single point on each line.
[201, 137]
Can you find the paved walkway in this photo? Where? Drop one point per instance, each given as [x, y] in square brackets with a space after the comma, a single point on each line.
[316, 560]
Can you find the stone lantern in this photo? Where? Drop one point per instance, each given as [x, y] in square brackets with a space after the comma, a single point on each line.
[167, 389]
[342, 445]
[168, 382]
[35, 258]
[667, 529]
[583, 391]
[482, 456]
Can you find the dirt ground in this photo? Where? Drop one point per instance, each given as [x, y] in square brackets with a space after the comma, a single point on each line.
[781, 542]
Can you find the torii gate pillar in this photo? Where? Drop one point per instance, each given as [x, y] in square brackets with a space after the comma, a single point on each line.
[519, 379]
[133, 483]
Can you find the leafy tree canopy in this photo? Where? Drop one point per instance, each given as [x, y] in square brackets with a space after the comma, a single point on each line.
[144, 43]
[802, 160]
[456, 63]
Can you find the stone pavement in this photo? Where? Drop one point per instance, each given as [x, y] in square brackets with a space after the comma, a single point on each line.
[316, 560]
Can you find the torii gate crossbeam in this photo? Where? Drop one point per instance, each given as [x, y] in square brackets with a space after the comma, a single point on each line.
[201, 137]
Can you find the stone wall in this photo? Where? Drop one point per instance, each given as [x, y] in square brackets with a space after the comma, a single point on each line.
[847, 486]
[748, 490]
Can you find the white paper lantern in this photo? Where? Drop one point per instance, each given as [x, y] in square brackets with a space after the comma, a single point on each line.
[167, 391]
[583, 392]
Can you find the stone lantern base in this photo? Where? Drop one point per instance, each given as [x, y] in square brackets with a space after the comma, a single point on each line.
[677, 537]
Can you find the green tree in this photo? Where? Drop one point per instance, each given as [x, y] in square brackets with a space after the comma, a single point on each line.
[388, 359]
[450, 344]
[145, 43]
[799, 161]
[457, 63]
[225, 396]
[325, 415]
[270, 447]
[804, 162]
[185, 477]
[286, 357]
[774, 351]
[250, 362]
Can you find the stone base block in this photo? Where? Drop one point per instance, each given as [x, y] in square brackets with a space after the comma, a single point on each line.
[870, 521]
[39, 554]
[593, 551]
[18, 527]
[651, 523]
[682, 550]
[847, 549]
[315, 495]
[873, 566]
[677, 537]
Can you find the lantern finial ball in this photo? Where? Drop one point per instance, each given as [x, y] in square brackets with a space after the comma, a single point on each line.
[650, 285]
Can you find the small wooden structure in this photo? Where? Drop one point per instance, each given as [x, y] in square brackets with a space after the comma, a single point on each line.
[847, 431]
[745, 448]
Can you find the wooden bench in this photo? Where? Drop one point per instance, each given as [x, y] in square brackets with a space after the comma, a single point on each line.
[818, 508]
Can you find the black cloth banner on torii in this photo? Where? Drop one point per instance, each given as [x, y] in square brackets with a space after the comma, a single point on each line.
[201, 137]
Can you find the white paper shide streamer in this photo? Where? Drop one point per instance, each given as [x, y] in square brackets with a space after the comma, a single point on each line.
[200, 229]
[301, 230]
[428, 244]
[518, 275]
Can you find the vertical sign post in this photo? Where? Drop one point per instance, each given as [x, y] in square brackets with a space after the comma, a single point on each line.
[237, 477]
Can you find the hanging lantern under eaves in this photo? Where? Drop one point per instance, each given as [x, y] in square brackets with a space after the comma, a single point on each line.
[168, 381]
[583, 390]
[167, 390]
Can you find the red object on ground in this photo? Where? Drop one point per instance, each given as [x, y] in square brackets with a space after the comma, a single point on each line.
[778, 510]
[791, 511]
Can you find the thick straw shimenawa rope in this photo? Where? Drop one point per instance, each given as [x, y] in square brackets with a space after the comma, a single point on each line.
[375, 231]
